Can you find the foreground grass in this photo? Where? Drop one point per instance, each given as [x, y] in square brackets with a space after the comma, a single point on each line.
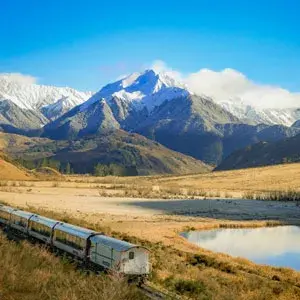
[31, 273]
[199, 274]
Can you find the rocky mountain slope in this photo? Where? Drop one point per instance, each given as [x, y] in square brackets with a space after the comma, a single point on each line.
[13, 118]
[97, 118]
[296, 124]
[263, 154]
[135, 154]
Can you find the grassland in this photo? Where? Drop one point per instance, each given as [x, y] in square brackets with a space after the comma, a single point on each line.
[225, 184]
[32, 273]
[9, 171]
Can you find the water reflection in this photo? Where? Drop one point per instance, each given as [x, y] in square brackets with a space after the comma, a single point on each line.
[277, 246]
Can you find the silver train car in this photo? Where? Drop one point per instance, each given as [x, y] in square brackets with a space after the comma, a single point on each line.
[95, 249]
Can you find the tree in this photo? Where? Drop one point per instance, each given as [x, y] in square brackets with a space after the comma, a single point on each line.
[101, 170]
[68, 168]
[45, 162]
[117, 170]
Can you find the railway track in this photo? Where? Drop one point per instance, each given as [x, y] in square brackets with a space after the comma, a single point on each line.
[156, 294]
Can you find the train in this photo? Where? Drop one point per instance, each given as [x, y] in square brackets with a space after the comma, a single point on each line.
[94, 249]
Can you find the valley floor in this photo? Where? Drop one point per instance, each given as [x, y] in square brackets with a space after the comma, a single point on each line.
[118, 206]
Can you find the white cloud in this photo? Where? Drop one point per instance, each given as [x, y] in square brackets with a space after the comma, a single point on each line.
[160, 66]
[18, 78]
[231, 84]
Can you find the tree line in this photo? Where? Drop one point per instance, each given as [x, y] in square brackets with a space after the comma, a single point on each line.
[96, 169]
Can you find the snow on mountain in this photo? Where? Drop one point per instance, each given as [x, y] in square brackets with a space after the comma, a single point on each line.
[31, 96]
[258, 115]
[151, 88]
[58, 108]
[147, 89]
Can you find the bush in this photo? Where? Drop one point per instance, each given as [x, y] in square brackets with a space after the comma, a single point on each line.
[187, 287]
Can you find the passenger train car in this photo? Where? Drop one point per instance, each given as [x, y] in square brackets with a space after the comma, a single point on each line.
[94, 248]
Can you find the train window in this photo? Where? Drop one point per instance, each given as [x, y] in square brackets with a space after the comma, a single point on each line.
[70, 240]
[40, 228]
[131, 255]
[19, 221]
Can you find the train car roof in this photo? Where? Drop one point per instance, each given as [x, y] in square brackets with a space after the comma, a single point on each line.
[23, 214]
[43, 220]
[114, 243]
[75, 230]
[6, 208]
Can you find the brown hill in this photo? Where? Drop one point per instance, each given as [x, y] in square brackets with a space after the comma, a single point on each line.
[264, 154]
[136, 154]
[8, 171]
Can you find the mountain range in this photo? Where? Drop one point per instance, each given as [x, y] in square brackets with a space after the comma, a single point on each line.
[152, 104]
[157, 106]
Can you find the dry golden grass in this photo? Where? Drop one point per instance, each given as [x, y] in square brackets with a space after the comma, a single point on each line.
[32, 273]
[224, 184]
[227, 184]
[10, 172]
[280, 177]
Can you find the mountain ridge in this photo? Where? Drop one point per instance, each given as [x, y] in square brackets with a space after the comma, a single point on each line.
[136, 154]
[264, 154]
[182, 121]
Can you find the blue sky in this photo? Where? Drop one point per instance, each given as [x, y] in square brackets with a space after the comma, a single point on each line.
[85, 44]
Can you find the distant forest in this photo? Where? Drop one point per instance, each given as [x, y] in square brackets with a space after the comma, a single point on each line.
[96, 169]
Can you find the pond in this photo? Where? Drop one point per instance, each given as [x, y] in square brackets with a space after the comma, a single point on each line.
[276, 246]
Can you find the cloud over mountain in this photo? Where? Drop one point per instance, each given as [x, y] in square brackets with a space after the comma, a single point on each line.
[18, 78]
[230, 84]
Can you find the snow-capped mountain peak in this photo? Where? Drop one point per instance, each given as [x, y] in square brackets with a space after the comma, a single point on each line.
[146, 89]
[26, 94]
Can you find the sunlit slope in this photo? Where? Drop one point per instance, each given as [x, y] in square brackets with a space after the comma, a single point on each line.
[8, 171]
[279, 177]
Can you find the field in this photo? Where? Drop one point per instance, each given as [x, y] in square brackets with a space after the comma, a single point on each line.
[153, 211]
[52, 278]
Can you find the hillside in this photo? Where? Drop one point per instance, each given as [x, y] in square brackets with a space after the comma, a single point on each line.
[8, 171]
[263, 154]
[135, 154]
